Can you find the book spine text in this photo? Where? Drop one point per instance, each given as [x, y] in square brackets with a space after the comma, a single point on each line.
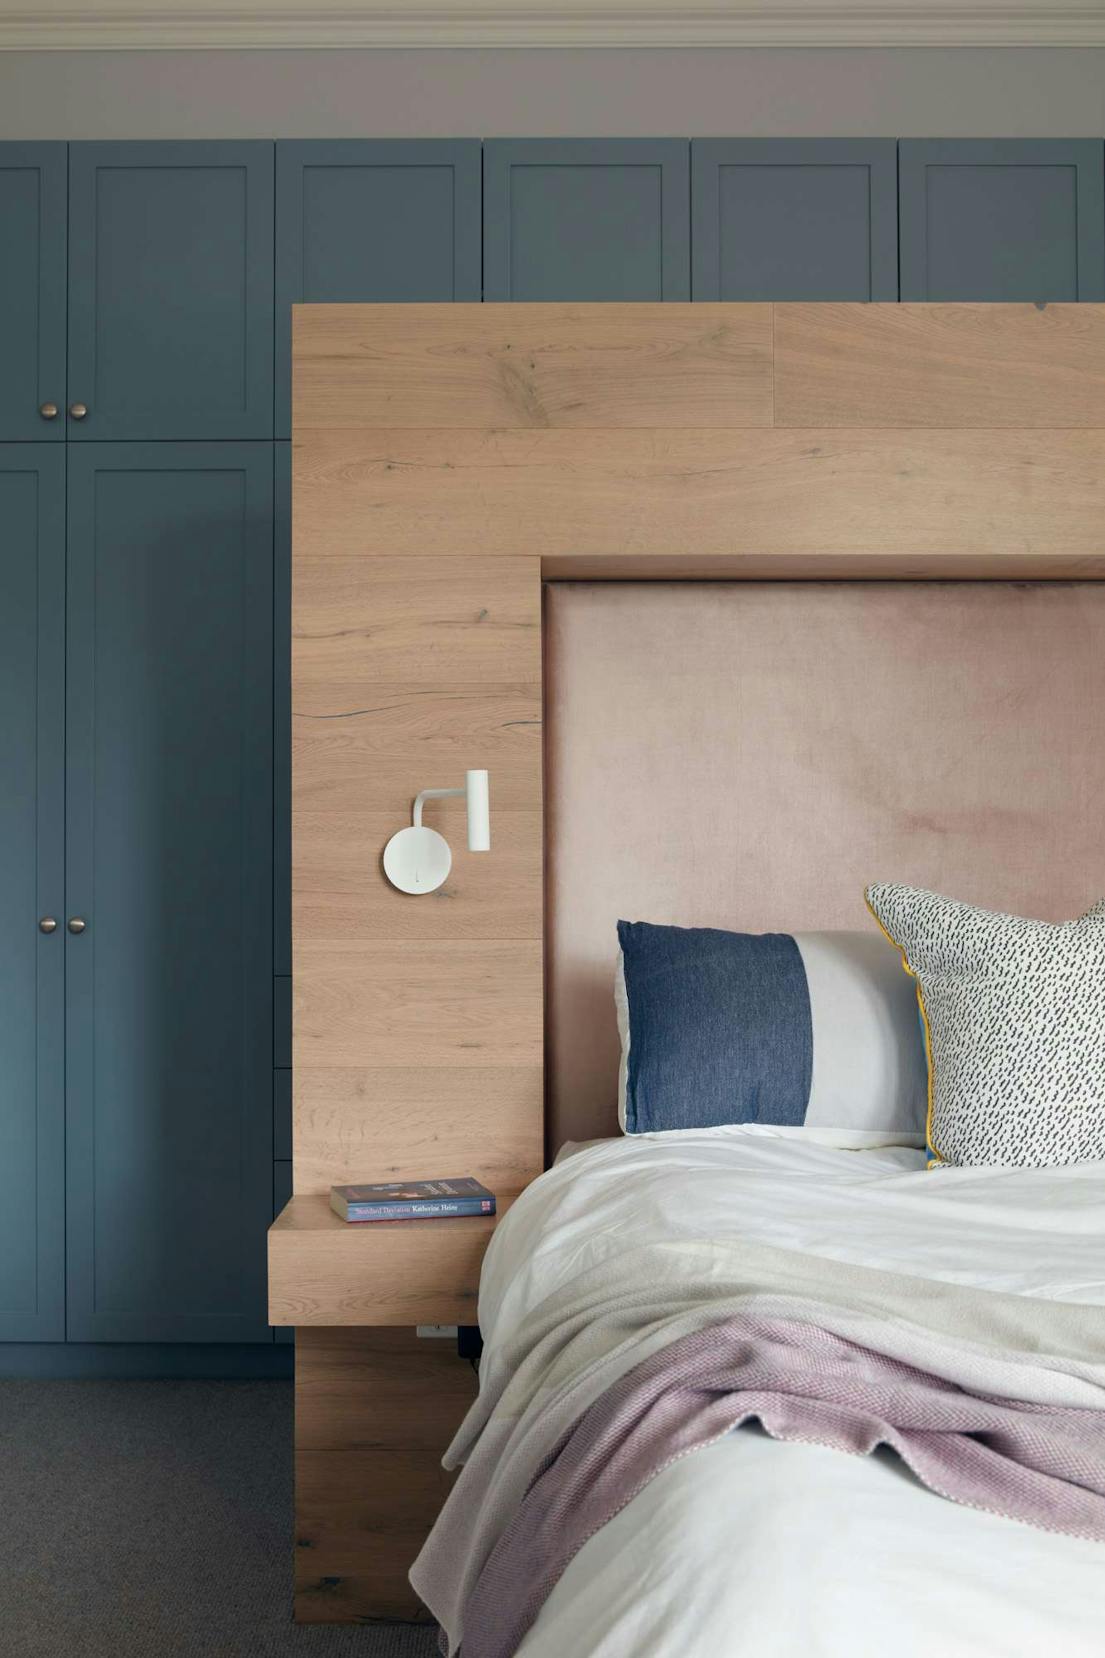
[420, 1210]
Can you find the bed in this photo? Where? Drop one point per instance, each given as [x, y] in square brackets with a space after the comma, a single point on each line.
[809, 737]
[752, 1546]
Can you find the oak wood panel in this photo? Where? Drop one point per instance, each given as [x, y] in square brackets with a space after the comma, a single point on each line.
[484, 897]
[324, 1271]
[366, 741]
[363, 622]
[586, 496]
[446, 1001]
[405, 673]
[532, 366]
[940, 365]
[353, 1393]
[335, 751]
[487, 1116]
[455, 1126]
[375, 1409]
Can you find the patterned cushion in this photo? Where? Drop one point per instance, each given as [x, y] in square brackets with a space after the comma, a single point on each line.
[1015, 1015]
[813, 1030]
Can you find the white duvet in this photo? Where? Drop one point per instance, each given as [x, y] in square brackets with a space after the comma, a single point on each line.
[752, 1548]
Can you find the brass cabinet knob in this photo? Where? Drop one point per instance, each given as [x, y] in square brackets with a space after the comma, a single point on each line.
[76, 924]
[78, 410]
[48, 411]
[47, 924]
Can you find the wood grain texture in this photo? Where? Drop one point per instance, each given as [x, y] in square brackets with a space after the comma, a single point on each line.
[531, 366]
[940, 365]
[324, 1271]
[468, 640]
[497, 1109]
[484, 897]
[374, 1411]
[581, 497]
[335, 753]
[447, 1001]
[362, 621]
[405, 673]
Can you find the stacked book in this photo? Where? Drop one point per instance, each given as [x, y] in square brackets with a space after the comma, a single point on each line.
[412, 1200]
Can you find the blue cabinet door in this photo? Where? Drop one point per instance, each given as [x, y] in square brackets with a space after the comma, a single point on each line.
[32, 875]
[586, 219]
[1002, 219]
[169, 854]
[32, 291]
[795, 219]
[170, 290]
[282, 713]
[372, 220]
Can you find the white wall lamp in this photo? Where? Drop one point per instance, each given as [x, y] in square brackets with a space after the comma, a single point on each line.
[418, 859]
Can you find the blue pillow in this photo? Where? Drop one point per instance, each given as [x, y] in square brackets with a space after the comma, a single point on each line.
[805, 1029]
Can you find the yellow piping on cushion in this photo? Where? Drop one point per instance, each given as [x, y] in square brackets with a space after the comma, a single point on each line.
[935, 1158]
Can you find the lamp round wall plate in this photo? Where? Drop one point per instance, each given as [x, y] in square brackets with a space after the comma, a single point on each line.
[417, 860]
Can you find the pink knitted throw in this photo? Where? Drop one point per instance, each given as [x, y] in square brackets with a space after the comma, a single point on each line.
[1030, 1462]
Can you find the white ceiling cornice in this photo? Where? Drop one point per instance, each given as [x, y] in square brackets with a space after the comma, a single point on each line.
[152, 25]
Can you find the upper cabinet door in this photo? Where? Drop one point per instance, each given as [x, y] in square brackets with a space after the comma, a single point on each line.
[795, 219]
[170, 290]
[169, 852]
[32, 291]
[370, 220]
[32, 891]
[1002, 219]
[586, 219]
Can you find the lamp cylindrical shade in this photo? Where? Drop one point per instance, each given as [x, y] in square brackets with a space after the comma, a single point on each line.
[479, 811]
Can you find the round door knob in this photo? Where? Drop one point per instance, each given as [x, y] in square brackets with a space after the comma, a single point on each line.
[47, 924]
[78, 410]
[76, 925]
[48, 411]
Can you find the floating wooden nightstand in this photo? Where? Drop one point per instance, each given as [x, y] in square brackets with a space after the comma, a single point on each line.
[322, 1270]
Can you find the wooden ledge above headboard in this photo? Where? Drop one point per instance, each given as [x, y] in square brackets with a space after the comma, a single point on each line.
[659, 440]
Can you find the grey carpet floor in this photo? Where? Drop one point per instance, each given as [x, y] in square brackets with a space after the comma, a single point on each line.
[153, 1519]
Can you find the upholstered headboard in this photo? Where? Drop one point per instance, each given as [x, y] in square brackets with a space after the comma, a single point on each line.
[750, 755]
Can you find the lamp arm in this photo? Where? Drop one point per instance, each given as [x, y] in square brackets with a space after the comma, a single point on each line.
[429, 794]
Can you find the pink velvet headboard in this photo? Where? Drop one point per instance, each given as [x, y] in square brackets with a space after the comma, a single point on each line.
[750, 755]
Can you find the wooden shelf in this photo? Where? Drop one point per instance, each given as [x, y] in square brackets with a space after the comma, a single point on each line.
[324, 1271]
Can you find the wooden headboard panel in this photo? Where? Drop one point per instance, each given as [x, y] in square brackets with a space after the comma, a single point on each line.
[448, 459]
[751, 755]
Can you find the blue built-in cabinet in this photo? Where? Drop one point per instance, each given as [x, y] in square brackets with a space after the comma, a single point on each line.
[32, 892]
[145, 603]
[795, 219]
[137, 693]
[282, 731]
[1002, 219]
[171, 290]
[586, 219]
[32, 292]
[169, 736]
[370, 221]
